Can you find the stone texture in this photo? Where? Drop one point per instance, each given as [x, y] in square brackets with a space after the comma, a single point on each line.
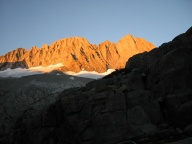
[105, 111]
[147, 102]
[28, 95]
[77, 54]
[90, 119]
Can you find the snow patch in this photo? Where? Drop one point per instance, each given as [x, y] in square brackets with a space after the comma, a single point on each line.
[46, 69]
[92, 74]
[72, 78]
[20, 72]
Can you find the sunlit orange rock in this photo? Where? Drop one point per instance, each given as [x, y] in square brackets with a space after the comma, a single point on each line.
[78, 54]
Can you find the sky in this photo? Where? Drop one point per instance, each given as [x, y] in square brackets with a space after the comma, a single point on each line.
[27, 23]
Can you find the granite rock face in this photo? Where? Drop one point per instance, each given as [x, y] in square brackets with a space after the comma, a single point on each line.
[150, 101]
[77, 54]
[30, 93]
[92, 116]
[167, 73]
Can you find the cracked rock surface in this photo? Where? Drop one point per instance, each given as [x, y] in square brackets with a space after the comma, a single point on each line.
[150, 101]
[30, 93]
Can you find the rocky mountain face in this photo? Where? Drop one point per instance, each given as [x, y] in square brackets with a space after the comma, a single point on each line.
[30, 93]
[77, 53]
[150, 101]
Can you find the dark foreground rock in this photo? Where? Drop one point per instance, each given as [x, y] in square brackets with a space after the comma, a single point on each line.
[30, 93]
[150, 101]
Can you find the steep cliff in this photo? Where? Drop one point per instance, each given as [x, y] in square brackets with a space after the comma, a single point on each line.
[150, 101]
[77, 53]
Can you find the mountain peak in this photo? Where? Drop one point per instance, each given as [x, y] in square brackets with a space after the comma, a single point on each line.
[76, 53]
[34, 48]
[128, 36]
[107, 42]
[77, 41]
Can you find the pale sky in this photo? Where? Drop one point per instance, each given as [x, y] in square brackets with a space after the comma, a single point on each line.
[27, 23]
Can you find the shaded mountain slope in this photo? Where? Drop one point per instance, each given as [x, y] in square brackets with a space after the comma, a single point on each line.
[30, 93]
[150, 101]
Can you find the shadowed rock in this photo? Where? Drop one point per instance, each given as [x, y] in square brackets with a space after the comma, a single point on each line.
[147, 102]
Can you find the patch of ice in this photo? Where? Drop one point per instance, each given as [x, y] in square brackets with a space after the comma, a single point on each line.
[20, 72]
[72, 78]
[46, 69]
[92, 74]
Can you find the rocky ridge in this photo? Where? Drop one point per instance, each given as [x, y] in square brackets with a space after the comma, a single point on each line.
[77, 53]
[150, 101]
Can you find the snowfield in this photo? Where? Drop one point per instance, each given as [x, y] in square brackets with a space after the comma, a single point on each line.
[92, 74]
[20, 72]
